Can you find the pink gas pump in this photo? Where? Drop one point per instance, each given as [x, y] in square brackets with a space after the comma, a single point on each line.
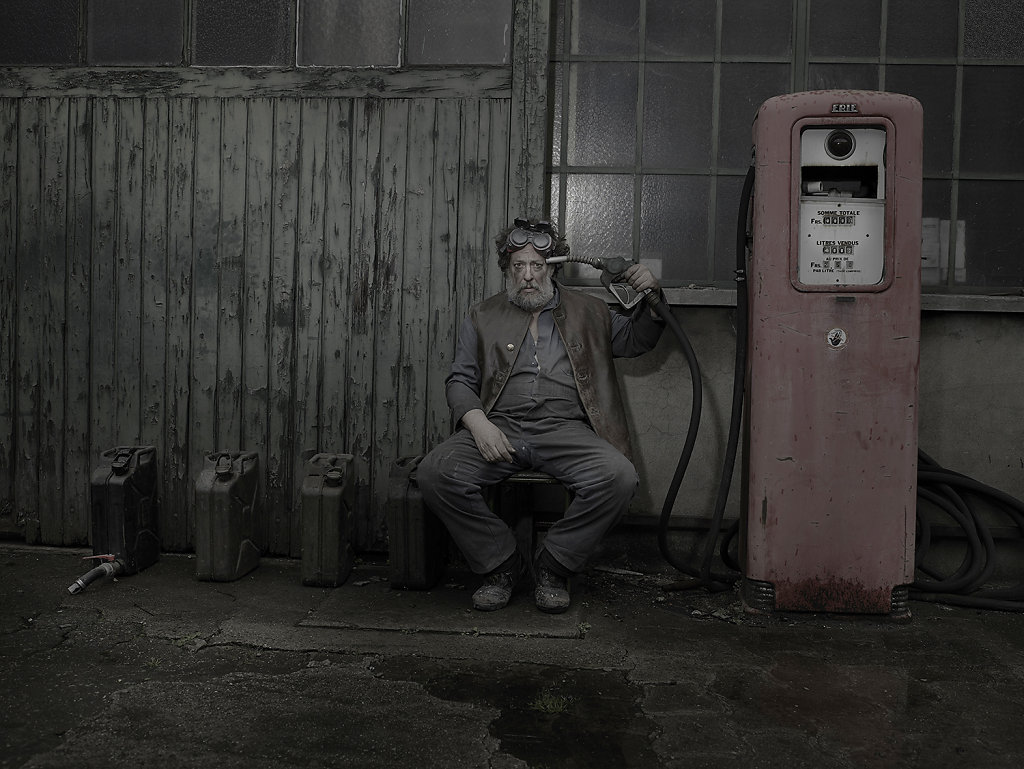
[834, 328]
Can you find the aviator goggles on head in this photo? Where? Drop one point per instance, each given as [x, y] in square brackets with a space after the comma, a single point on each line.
[524, 234]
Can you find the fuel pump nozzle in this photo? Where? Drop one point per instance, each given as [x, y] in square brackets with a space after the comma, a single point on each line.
[612, 271]
[109, 566]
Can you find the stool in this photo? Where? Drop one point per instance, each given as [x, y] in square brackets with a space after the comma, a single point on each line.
[518, 500]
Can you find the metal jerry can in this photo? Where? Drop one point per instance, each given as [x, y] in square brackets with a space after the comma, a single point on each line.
[227, 494]
[328, 497]
[124, 509]
[417, 540]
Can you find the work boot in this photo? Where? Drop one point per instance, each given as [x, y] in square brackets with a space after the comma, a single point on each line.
[498, 586]
[552, 592]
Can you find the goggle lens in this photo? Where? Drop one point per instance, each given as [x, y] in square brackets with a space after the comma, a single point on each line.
[519, 238]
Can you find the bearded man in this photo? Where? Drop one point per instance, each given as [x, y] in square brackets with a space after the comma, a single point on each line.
[532, 387]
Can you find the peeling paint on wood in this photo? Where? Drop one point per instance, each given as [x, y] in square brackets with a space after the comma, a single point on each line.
[276, 273]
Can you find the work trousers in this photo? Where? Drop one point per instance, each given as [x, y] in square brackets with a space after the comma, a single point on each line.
[453, 476]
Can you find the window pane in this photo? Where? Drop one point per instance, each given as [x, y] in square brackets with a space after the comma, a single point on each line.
[153, 37]
[244, 32]
[935, 206]
[605, 27]
[745, 87]
[994, 232]
[598, 218]
[856, 76]
[356, 33]
[680, 28]
[727, 216]
[851, 28]
[935, 88]
[677, 115]
[674, 226]
[34, 32]
[994, 29]
[991, 120]
[752, 28]
[602, 114]
[922, 28]
[460, 31]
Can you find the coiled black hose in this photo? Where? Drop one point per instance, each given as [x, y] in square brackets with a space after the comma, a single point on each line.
[952, 493]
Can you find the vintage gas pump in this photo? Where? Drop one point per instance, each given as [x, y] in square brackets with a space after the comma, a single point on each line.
[834, 306]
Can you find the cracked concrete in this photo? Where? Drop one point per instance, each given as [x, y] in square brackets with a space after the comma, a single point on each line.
[162, 670]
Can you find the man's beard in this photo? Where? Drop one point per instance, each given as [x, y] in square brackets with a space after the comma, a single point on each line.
[533, 300]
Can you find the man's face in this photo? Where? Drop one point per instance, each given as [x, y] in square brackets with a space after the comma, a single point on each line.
[529, 279]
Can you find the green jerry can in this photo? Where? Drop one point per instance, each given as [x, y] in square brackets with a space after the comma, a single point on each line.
[227, 495]
[418, 542]
[123, 506]
[328, 497]
[123, 514]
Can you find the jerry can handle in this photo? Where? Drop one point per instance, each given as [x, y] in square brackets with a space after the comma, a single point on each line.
[223, 468]
[119, 464]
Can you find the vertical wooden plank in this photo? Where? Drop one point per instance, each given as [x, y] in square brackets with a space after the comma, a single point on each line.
[155, 185]
[366, 125]
[452, 162]
[49, 333]
[206, 201]
[309, 288]
[230, 272]
[103, 278]
[78, 457]
[386, 372]
[128, 275]
[258, 301]
[419, 305]
[337, 300]
[128, 340]
[179, 469]
[9, 308]
[475, 238]
[529, 125]
[499, 172]
[29, 318]
[281, 450]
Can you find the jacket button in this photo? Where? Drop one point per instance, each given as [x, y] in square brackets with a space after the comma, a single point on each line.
[510, 347]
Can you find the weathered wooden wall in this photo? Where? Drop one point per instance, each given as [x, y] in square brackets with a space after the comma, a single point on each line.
[274, 273]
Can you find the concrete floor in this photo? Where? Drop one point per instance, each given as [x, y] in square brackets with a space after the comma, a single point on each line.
[161, 670]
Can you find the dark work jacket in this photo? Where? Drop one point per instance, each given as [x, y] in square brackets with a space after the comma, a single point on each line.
[584, 323]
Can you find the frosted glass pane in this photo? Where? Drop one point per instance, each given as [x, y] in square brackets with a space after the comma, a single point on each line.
[605, 27]
[922, 28]
[991, 120]
[744, 88]
[677, 115]
[674, 225]
[598, 218]
[680, 28]
[857, 76]
[460, 31]
[244, 32]
[602, 114]
[155, 34]
[757, 27]
[851, 28]
[994, 232]
[356, 33]
[935, 88]
[994, 29]
[34, 32]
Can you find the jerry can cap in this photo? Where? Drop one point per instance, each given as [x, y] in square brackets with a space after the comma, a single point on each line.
[334, 476]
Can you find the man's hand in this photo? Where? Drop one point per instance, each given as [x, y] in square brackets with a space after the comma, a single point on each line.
[491, 442]
[640, 277]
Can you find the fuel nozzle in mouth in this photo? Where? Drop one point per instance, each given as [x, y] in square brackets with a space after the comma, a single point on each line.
[110, 567]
